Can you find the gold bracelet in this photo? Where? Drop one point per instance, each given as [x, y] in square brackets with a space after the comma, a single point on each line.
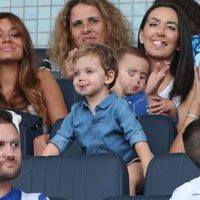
[192, 115]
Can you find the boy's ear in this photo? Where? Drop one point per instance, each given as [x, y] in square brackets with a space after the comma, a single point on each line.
[110, 76]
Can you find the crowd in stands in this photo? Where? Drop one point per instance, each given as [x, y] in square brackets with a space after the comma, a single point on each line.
[117, 82]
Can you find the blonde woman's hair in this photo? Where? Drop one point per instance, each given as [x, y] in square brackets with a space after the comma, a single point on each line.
[118, 31]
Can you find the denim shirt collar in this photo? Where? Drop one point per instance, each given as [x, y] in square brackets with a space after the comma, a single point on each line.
[106, 102]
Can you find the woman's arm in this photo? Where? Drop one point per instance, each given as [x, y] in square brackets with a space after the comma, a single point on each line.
[52, 95]
[189, 114]
[54, 104]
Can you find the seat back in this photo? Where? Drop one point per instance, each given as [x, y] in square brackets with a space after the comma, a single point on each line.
[74, 177]
[160, 131]
[166, 172]
[68, 91]
[41, 53]
[139, 198]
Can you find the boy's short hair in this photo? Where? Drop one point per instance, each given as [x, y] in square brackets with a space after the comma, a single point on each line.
[191, 140]
[107, 57]
[131, 50]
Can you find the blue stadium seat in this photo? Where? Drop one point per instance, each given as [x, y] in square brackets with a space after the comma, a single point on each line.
[139, 198]
[92, 177]
[160, 131]
[40, 55]
[167, 172]
[68, 91]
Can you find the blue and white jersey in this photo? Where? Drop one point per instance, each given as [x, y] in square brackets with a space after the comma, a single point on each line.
[16, 194]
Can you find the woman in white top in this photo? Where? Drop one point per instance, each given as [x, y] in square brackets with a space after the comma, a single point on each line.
[165, 38]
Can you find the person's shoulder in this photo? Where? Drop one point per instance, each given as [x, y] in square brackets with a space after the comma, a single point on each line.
[43, 72]
[46, 78]
[195, 183]
[186, 191]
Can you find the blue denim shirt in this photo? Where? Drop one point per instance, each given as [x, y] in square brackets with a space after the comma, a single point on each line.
[113, 128]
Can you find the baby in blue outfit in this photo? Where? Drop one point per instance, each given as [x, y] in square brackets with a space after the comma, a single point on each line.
[134, 69]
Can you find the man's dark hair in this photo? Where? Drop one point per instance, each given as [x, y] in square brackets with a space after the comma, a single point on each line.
[191, 140]
[5, 117]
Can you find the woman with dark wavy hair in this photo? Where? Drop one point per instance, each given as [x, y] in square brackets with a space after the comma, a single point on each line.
[85, 21]
[23, 86]
[165, 38]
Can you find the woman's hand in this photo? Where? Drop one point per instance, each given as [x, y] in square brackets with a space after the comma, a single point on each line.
[162, 106]
[68, 65]
[156, 77]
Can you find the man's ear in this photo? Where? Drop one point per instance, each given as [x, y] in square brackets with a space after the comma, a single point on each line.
[141, 38]
[110, 76]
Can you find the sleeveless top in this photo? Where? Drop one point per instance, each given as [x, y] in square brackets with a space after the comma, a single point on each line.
[165, 94]
[32, 111]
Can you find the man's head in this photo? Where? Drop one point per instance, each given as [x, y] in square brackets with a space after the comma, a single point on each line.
[10, 150]
[191, 140]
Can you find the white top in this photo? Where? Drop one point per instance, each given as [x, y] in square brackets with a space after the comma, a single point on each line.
[188, 191]
[32, 196]
[165, 94]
